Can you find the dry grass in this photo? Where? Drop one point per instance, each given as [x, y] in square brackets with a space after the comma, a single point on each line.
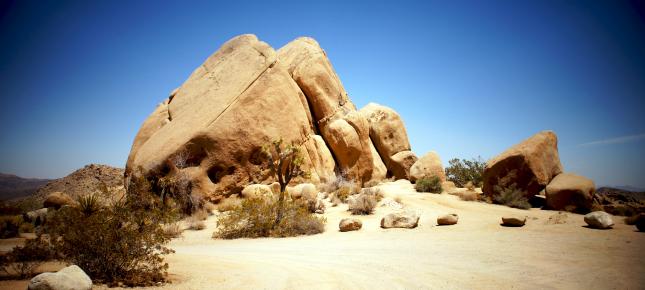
[228, 204]
[362, 204]
[195, 224]
[172, 230]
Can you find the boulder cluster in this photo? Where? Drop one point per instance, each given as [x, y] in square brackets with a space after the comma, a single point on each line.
[534, 167]
[246, 95]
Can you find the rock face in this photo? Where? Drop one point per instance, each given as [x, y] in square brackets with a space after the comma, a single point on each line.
[530, 164]
[57, 200]
[91, 178]
[447, 219]
[69, 278]
[599, 220]
[406, 219]
[428, 165]
[350, 224]
[513, 221]
[245, 95]
[401, 163]
[570, 192]
[388, 133]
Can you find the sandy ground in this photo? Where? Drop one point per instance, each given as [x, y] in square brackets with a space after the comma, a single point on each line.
[477, 253]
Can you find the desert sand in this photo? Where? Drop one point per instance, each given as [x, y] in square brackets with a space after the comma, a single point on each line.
[476, 253]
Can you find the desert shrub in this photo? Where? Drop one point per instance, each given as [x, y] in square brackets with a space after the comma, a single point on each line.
[376, 192]
[10, 226]
[428, 184]
[362, 204]
[210, 208]
[121, 243]
[255, 217]
[195, 224]
[22, 261]
[469, 195]
[228, 204]
[372, 183]
[335, 200]
[511, 196]
[462, 171]
[172, 230]
[200, 215]
[340, 186]
[89, 204]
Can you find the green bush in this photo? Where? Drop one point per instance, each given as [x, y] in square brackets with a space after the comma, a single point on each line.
[511, 196]
[463, 171]
[428, 184]
[256, 217]
[120, 243]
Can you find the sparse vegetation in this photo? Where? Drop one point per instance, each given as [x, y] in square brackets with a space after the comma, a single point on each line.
[362, 204]
[273, 216]
[121, 243]
[255, 217]
[22, 261]
[511, 196]
[428, 184]
[172, 230]
[196, 224]
[341, 187]
[10, 226]
[463, 171]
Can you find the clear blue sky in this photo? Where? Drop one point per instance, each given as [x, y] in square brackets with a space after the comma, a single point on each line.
[468, 77]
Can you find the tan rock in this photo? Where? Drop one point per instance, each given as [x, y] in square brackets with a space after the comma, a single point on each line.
[387, 131]
[215, 124]
[428, 165]
[404, 219]
[599, 220]
[400, 164]
[350, 224]
[447, 219]
[379, 171]
[303, 190]
[57, 200]
[513, 221]
[530, 164]
[69, 278]
[345, 131]
[570, 192]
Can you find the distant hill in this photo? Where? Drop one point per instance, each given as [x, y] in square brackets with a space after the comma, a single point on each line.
[629, 194]
[619, 201]
[12, 186]
[83, 181]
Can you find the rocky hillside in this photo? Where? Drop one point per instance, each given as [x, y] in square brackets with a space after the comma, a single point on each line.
[12, 186]
[620, 202]
[83, 181]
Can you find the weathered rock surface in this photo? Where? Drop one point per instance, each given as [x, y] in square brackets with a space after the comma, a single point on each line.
[57, 200]
[69, 278]
[405, 219]
[513, 221]
[570, 192]
[447, 219]
[428, 165]
[244, 96]
[92, 178]
[599, 220]
[530, 164]
[350, 224]
[387, 131]
[303, 190]
[401, 163]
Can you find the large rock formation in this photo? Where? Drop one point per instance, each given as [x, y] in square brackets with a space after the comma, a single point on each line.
[211, 129]
[530, 164]
[390, 138]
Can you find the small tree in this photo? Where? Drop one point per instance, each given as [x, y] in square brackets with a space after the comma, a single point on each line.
[463, 171]
[284, 164]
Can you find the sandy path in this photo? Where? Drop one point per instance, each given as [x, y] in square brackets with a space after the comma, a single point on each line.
[477, 253]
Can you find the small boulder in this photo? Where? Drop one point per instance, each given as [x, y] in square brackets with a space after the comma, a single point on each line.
[256, 190]
[428, 165]
[350, 224]
[306, 190]
[447, 219]
[570, 192]
[407, 219]
[69, 278]
[640, 222]
[57, 200]
[599, 220]
[400, 164]
[513, 221]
